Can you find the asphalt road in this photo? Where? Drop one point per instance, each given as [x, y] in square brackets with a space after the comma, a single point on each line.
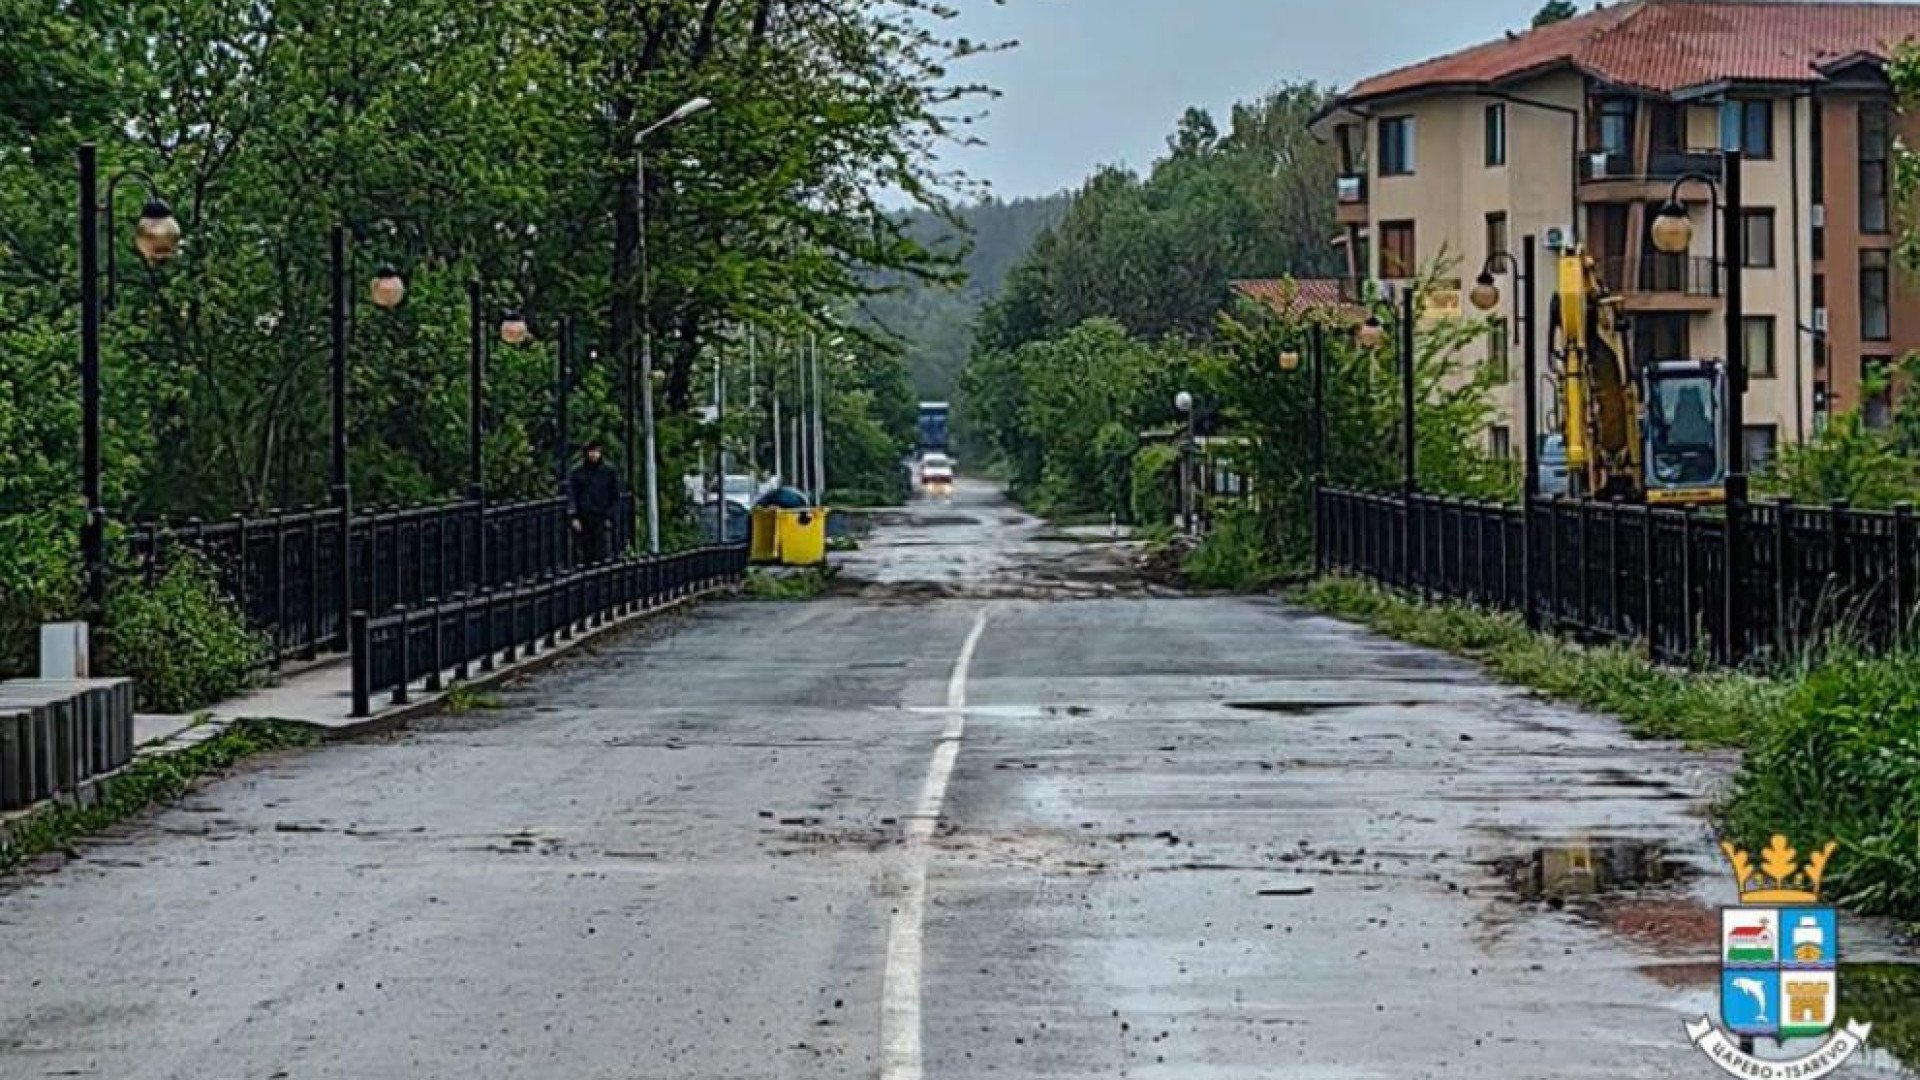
[993, 810]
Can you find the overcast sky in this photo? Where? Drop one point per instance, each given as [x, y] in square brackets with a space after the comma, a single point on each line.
[1103, 81]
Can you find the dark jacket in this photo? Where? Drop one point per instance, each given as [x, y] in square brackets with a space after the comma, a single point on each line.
[593, 491]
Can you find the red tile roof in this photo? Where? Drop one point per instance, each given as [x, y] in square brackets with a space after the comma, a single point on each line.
[1297, 296]
[1665, 46]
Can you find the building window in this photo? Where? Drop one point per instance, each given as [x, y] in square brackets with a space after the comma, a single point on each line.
[1747, 126]
[1496, 234]
[1398, 257]
[1876, 172]
[1396, 146]
[1876, 292]
[1658, 337]
[1762, 359]
[1496, 123]
[1761, 439]
[1615, 134]
[1876, 391]
[1500, 442]
[1667, 127]
[1756, 238]
[1499, 350]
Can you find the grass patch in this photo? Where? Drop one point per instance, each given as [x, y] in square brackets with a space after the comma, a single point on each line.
[801, 584]
[150, 781]
[1718, 708]
[464, 698]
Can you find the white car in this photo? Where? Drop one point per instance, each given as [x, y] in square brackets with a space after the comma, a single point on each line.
[936, 474]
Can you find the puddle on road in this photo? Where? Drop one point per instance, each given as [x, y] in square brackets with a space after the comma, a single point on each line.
[1885, 995]
[1308, 708]
[1556, 874]
[1294, 708]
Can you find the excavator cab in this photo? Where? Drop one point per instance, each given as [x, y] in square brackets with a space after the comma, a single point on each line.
[1684, 432]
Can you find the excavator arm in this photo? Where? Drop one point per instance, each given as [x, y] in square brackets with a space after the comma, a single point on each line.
[1600, 406]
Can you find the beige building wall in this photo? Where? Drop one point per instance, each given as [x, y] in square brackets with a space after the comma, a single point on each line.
[1452, 191]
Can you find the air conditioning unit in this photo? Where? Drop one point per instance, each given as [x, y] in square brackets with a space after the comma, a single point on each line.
[1819, 215]
[1597, 164]
[1820, 320]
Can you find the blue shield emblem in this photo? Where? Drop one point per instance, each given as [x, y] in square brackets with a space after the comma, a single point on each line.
[1778, 971]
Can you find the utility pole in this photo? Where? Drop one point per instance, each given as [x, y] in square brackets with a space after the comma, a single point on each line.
[819, 431]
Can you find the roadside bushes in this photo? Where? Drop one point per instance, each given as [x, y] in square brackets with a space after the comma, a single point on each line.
[1236, 555]
[1842, 762]
[1156, 484]
[182, 641]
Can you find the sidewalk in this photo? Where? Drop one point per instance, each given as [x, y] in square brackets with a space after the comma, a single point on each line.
[321, 695]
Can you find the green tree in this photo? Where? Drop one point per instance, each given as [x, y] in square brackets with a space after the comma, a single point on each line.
[1271, 410]
[1554, 11]
[1158, 254]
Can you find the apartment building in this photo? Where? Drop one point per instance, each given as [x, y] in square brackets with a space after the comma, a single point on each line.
[1579, 131]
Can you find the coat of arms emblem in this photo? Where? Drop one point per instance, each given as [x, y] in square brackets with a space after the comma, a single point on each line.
[1779, 968]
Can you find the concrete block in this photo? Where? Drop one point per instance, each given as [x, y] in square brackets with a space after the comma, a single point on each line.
[63, 651]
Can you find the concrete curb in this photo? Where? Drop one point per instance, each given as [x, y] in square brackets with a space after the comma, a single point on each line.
[396, 717]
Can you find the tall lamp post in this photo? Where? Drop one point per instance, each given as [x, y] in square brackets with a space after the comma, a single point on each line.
[386, 291]
[1372, 334]
[1290, 360]
[1183, 402]
[1673, 235]
[684, 112]
[1486, 297]
[157, 238]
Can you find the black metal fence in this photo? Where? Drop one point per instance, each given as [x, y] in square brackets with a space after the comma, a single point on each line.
[1751, 583]
[286, 571]
[393, 651]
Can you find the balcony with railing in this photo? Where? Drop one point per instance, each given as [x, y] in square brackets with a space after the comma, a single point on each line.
[1351, 199]
[1656, 282]
[1620, 175]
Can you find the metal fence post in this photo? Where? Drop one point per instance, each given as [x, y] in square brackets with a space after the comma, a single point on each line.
[1649, 596]
[1733, 622]
[1839, 556]
[1786, 587]
[1614, 621]
[359, 645]
[1584, 618]
[314, 586]
[404, 652]
[1902, 570]
[279, 536]
[464, 639]
[439, 647]
[1552, 621]
[1687, 607]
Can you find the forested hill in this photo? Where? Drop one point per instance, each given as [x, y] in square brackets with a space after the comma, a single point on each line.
[937, 322]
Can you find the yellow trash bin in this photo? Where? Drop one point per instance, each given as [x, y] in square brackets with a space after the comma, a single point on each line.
[765, 535]
[803, 536]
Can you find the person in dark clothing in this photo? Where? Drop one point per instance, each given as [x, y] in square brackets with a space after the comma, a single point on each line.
[593, 497]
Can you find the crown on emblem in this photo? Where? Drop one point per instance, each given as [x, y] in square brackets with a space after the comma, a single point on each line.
[1781, 878]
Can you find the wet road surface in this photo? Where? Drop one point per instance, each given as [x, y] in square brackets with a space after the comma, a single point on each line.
[989, 811]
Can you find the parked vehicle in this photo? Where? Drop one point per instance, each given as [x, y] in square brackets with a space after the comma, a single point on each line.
[936, 475]
[1552, 465]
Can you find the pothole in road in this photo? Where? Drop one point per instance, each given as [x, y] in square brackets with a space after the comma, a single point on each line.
[1563, 873]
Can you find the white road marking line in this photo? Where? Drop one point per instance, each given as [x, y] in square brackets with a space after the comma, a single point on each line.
[900, 986]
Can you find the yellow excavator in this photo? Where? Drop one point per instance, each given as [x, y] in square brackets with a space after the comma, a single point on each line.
[1644, 429]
